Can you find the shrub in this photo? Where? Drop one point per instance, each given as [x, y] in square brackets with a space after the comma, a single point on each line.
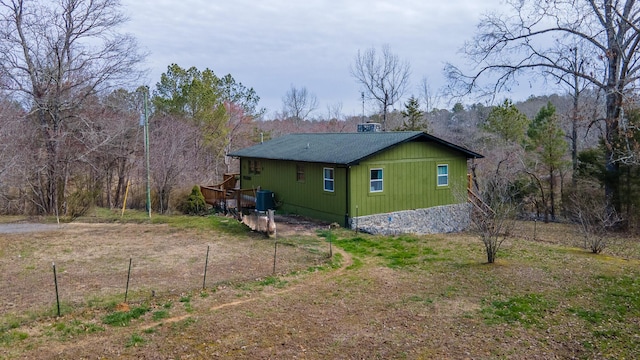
[595, 216]
[80, 202]
[194, 204]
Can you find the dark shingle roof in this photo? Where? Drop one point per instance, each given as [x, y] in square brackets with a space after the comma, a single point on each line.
[339, 148]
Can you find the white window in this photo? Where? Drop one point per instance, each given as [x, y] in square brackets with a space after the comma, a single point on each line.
[443, 175]
[375, 180]
[328, 179]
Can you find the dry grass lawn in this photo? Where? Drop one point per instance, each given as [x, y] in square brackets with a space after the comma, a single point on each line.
[414, 297]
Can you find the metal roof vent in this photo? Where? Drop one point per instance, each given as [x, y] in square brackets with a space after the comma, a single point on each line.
[369, 127]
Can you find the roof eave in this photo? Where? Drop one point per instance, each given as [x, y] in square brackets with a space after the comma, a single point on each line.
[350, 162]
[469, 154]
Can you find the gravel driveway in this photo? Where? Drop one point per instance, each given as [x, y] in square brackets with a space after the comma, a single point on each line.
[26, 227]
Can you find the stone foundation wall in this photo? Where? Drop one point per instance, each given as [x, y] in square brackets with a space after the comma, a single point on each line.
[434, 220]
[261, 222]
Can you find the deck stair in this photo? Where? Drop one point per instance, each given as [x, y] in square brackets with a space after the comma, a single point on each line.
[476, 200]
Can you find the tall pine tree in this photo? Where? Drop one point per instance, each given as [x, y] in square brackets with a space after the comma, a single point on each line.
[548, 146]
[413, 117]
[507, 122]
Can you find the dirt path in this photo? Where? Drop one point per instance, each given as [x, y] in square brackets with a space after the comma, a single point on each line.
[311, 281]
[226, 299]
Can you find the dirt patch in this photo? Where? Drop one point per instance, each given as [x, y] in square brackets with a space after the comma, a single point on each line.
[92, 261]
[430, 309]
[297, 225]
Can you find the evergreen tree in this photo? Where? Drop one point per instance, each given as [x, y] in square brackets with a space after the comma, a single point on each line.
[413, 116]
[507, 122]
[627, 179]
[457, 108]
[548, 146]
[195, 203]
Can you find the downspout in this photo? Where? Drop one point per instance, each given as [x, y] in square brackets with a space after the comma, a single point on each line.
[348, 198]
[238, 196]
[240, 173]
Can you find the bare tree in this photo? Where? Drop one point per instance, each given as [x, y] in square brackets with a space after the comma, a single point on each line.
[334, 112]
[14, 150]
[240, 130]
[172, 153]
[538, 35]
[10, 117]
[384, 77]
[53, 56]
[116, 137]
[429, 97]
[594, 216]
[493, 214]
[577, 86]
[298, 104]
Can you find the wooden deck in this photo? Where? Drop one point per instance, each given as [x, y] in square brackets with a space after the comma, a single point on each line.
[227, 195]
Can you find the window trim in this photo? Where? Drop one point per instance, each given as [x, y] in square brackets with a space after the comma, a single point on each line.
[300, 172]
[255, 167]
[381, 180]
[445, 176]
[331, 180]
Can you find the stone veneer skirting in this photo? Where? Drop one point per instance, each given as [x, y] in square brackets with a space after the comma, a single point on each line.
[433, 220]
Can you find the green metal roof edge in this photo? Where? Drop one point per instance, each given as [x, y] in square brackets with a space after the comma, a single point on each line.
[416, 135]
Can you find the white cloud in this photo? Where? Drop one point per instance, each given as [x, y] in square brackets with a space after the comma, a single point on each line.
[270, 45]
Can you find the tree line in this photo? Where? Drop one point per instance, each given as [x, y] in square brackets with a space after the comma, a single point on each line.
[70, 111]
[71, 104]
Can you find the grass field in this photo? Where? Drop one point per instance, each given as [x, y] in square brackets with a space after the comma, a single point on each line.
[413, 297]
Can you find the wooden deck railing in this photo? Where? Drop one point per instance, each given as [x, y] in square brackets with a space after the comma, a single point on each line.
[215, 194]
[228, 196]
[245, 198]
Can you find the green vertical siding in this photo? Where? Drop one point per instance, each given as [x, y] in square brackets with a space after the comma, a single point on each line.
[409, 182]
[300, 197]
[409, 179]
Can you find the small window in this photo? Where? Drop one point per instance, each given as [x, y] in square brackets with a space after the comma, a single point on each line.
[328, 179]
[299, 172]
[255, 167]
[375, 180]
[443, 175]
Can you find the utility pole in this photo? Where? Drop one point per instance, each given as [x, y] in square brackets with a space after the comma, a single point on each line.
[362, 93]
[146, 150]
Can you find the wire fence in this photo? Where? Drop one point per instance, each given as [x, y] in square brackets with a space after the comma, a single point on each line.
[90, 271]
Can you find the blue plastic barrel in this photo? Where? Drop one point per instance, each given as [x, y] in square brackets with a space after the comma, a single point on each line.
[264, 200]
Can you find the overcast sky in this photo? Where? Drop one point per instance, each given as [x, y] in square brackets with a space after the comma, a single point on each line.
[271, 45]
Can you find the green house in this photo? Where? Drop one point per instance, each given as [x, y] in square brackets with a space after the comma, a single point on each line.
[358, 178]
